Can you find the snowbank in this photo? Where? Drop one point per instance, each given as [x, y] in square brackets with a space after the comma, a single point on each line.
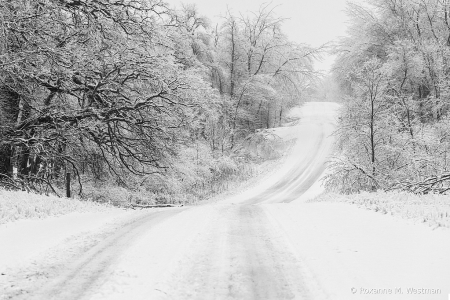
[16, 205]
[432, 209]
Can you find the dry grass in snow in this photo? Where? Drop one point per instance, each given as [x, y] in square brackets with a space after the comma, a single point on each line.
[432, 209]
[16, 205]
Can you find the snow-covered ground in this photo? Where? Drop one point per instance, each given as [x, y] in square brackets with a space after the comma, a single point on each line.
[24, 240]
[360, 254]
[266, 243]
[432, 209]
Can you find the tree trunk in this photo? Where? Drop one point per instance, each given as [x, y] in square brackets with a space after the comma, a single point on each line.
[17, 160]
[233, 58]
[281, 114]
[5, 160]
[23, 169]
[372, 140]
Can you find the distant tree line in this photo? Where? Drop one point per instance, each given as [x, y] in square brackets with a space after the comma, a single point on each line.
[118, 89]
[393, 69]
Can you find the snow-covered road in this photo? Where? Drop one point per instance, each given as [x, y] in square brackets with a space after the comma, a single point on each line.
[265, 243]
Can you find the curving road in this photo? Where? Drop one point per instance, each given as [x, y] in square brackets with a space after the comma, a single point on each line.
[305, 163]
[233, 249]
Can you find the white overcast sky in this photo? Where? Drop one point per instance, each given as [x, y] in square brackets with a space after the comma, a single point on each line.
[314, 22]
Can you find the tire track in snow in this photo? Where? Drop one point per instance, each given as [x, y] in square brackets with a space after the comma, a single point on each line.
[243, 257]
[82, 275]
[300, 177]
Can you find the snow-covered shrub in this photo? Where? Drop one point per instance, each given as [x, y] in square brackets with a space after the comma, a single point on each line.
[263, 144]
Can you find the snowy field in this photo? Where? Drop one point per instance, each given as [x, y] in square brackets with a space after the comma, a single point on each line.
[268, 242]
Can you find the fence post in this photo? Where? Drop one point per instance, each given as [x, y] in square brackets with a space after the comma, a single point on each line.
[68, 185]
